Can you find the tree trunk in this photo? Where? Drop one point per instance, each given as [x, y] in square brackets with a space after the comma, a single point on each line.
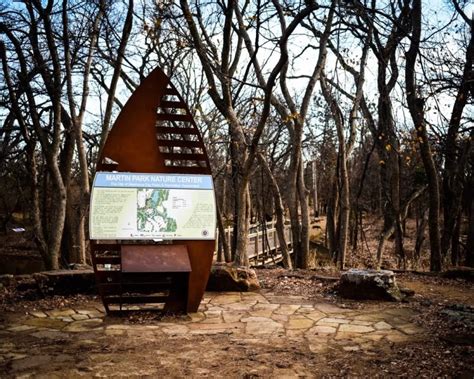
[242, 223]
[416, 106]
[293, 210]
[455, 241]
[314, 177]
[470, 237]
[303, 201]
[222, 236]
[381, 246]
[386, 234]
[345, 209]
[279, 214]
[127, 28]
[470, 211]
[343, 217]
[420, 238]
[455, 160]
[332, 212]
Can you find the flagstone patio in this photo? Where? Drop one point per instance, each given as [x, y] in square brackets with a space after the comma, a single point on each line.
[242, 318]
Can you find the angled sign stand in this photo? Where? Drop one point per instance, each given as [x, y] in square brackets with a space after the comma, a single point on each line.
[152, 215]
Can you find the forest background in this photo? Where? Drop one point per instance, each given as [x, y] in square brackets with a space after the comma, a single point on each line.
[358, 111]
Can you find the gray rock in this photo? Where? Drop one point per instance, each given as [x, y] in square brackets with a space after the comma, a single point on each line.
[369, 285]
[225, 277]
[460, 313]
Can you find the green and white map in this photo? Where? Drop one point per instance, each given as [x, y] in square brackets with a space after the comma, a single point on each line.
[152, 214]
[152, 206]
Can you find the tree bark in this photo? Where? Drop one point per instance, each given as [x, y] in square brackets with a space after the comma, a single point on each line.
[279, 213]
[342, 175]
[77, 225]
[222, 236]
[470, 233]
[127, 28]
[386, 234]
[416, 106]
[420, 237]
[225, 103]
[304, 237]
[455, 159]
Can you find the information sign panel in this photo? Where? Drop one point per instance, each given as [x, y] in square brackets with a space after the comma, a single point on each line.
[152, 206]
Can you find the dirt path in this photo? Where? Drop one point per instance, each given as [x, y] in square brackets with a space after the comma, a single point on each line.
[450, 291]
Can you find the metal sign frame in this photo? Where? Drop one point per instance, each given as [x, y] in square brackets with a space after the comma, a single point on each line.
[154, 133]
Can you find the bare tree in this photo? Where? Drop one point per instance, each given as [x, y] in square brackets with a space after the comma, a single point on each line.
[47, 63]
[416, 104]
[219, 68]
[117, 63]
[455, 153]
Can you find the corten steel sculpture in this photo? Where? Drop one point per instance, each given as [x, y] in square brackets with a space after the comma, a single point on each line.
[154, 133]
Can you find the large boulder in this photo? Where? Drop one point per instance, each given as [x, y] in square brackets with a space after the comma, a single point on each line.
[226, 277]
[369, 285]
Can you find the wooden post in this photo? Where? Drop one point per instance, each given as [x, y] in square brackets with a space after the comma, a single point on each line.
[275, 239]
[256, 246]
[228, 230]
[315, 188]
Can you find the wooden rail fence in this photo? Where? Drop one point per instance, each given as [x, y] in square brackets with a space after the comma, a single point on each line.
[263, 244]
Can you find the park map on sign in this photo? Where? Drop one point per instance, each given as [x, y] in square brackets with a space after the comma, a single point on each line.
[152, 214]
[152, 206]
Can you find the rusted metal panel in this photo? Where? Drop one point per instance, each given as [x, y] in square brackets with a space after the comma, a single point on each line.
[159, 258]
[134, 143]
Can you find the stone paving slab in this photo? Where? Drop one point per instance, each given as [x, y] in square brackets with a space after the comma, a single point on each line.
[247, 318]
